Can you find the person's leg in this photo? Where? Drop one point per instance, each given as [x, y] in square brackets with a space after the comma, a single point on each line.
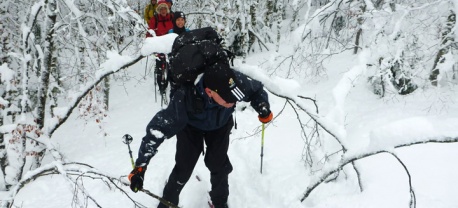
[218, 163]
[189, 146]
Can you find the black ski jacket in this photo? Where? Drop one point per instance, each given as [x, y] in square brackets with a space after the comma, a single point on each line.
[190, 105]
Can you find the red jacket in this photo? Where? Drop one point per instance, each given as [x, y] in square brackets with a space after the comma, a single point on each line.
[164, 24]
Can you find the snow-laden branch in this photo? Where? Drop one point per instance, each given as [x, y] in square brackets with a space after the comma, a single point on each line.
[341, 91]
[114, 63]
[34, 11]
[397, 26]
[72, 173]
[30, 176]
[289, 89]
[43, 139]
[383, 140]
[250, 28]
[350, 158]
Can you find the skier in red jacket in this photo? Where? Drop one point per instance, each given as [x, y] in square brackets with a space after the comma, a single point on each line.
[161, 22]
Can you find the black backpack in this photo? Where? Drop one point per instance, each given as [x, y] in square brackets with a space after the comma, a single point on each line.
[194, 52]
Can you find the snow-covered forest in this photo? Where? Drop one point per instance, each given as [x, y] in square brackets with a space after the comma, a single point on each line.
[353, 84]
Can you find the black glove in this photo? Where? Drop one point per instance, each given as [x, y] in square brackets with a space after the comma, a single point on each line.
[265, 115]
[136, 177]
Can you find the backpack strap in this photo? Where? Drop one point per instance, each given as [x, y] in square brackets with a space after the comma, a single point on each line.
[156, 18]
[195, 102]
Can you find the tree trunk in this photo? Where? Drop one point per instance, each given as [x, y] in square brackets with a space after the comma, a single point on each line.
[455, 72]
[435, 72]
[360, 30]
[111, 31]
[49, 64]
[241, 23]
[358, 36]
[49, 60]
[252, 22]
[106, 92]
[393, 6]
[81, 53]
[279, 19]
[3, 155]
[3, 40]
[3, 59]
[445, 47]
[269, 12]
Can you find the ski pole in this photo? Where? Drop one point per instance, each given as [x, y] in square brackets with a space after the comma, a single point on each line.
[155, 77]
[146, 67]
[262, 145]
[127, 140]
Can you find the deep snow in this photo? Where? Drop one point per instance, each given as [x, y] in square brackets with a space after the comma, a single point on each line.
[370, 122]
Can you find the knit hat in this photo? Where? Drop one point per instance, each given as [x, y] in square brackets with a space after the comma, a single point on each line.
[177, 15]
[222, 81]
[161, 4]
[176, 29]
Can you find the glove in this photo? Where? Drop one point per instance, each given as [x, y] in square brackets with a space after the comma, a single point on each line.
[266, 119]
[136, 177]
[265, 115]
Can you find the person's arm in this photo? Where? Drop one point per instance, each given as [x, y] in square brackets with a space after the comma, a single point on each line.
[256, 95]
[165, 124]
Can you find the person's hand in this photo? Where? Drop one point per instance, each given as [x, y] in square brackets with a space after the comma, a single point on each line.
[136, 177]
[267, 118]
[265, 115]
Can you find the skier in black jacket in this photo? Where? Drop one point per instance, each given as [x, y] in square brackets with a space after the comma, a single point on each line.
[196, 114]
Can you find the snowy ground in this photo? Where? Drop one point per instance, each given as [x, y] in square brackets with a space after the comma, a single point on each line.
[285, 178]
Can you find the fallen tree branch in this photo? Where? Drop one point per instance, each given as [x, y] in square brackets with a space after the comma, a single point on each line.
[346, 161]
[413, 200]
[327, 125]
[74, 172]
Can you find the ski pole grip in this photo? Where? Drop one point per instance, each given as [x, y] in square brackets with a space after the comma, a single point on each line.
[127, 139]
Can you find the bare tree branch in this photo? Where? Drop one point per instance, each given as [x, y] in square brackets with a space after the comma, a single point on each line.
[88, 87]
[413, 201]
[74, 172]
[320, 179]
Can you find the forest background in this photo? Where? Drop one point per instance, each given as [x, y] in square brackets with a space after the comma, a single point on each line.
[62, 60]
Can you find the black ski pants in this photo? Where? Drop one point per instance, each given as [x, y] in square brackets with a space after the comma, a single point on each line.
[190, 144]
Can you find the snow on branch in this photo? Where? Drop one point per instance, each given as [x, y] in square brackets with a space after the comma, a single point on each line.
[114, 63]
[72, 173]
[422, 130]
[288, 89]
[350, 158]
[34, 11]
[397, 27]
